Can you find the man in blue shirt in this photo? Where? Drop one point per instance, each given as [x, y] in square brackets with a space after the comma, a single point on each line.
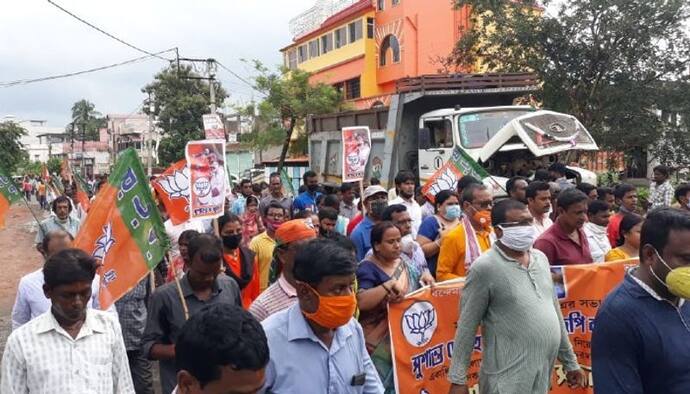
[240, 204]
[316, 346]
[641, 338]
[375, 200]
[306, 201]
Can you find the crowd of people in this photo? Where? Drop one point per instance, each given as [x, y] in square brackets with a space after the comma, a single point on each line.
[289, 294]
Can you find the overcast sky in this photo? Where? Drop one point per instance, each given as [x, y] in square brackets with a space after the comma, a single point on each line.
[38, 40]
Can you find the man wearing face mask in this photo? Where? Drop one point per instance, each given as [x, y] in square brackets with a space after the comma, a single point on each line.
[239, 262]
[641, 343]
[411, 251]
[316, 345]
[405, 185]
[375, 200]
[470, 238]
[509, 293]
[70, 348]
[263, 244]
[306, 201]
[202, 285]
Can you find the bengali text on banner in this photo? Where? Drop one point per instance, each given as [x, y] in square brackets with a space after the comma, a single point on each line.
[423, 326]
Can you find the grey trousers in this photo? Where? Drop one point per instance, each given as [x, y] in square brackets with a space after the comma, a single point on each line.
[141, 370]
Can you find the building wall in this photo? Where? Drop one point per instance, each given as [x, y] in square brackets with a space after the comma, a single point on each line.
[426, 31]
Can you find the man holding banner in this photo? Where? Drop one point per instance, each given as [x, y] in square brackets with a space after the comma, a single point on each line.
[509, 292]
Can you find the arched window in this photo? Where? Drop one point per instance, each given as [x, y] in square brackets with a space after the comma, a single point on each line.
[389, 42]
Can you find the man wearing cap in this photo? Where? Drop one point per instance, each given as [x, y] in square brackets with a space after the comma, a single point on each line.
[290, 237]
[375, 202]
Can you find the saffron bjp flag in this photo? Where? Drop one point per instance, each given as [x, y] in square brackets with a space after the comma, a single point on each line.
[459, 165]
[9, 194]
[172, 188]
[208, 184]
[123, 230]
[81, 194]
[423, 326]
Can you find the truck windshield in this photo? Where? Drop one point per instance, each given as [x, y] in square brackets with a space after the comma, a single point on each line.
[476, 129]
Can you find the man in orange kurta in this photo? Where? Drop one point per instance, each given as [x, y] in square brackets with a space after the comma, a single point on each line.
[458, 250]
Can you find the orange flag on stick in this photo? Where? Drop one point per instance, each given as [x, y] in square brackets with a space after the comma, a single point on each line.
[124, 230]
[172, 188]
[81, 194]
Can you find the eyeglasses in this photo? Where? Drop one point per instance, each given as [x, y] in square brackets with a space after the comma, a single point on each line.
[484, 205]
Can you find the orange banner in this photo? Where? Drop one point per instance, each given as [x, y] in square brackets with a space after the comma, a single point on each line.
[423, 328]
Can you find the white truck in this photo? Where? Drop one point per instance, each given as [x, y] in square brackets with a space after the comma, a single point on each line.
[475, 114]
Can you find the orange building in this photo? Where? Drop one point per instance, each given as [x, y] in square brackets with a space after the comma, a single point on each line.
[364, 46]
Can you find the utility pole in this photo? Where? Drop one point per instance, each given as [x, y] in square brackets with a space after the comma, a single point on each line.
[83, 140]
[211, 71]
[148, 141]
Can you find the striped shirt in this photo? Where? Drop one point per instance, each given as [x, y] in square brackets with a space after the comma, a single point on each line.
[40, 357]
[280, 295]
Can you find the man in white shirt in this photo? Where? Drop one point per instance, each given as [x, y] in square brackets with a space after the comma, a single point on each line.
[31, 300]
[405, 186]
[599, 213]
[539, 204]
[71, 348]
[62, 219]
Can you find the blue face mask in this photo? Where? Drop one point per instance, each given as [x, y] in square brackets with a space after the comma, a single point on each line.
[452, 212]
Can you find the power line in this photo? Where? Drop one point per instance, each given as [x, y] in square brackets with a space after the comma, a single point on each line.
[72, 74]
[106, 33]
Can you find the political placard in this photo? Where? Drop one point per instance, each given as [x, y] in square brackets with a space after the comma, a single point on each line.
[208, 184]
[356, 148]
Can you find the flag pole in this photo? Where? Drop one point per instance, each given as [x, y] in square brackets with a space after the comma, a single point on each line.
[184, 302]
[361, 197]
[179, 288]
[40, 227]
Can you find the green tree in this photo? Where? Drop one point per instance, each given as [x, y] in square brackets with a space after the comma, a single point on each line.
[180, 102]
[11, 149]
[265, 127]
[603, 61]
[86, 122]
[54, 165]
[290, 98]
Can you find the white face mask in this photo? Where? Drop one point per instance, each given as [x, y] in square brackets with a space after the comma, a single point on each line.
[407, 244]
[520, 238]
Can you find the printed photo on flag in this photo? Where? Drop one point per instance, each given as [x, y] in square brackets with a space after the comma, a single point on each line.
[172, 188]
[356, 148]
[207, 180]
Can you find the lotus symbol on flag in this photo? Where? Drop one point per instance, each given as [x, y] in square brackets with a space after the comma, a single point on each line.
[446, 181]
[176, 184]
[104, 243]
[419, 323]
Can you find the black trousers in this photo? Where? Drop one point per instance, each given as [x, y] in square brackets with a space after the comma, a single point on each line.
[141, 370]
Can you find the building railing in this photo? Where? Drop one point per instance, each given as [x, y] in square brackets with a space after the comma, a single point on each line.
[312, 18]
[468, 82]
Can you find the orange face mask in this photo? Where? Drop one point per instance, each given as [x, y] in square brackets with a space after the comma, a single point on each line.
[333, 311]
[483, 218]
